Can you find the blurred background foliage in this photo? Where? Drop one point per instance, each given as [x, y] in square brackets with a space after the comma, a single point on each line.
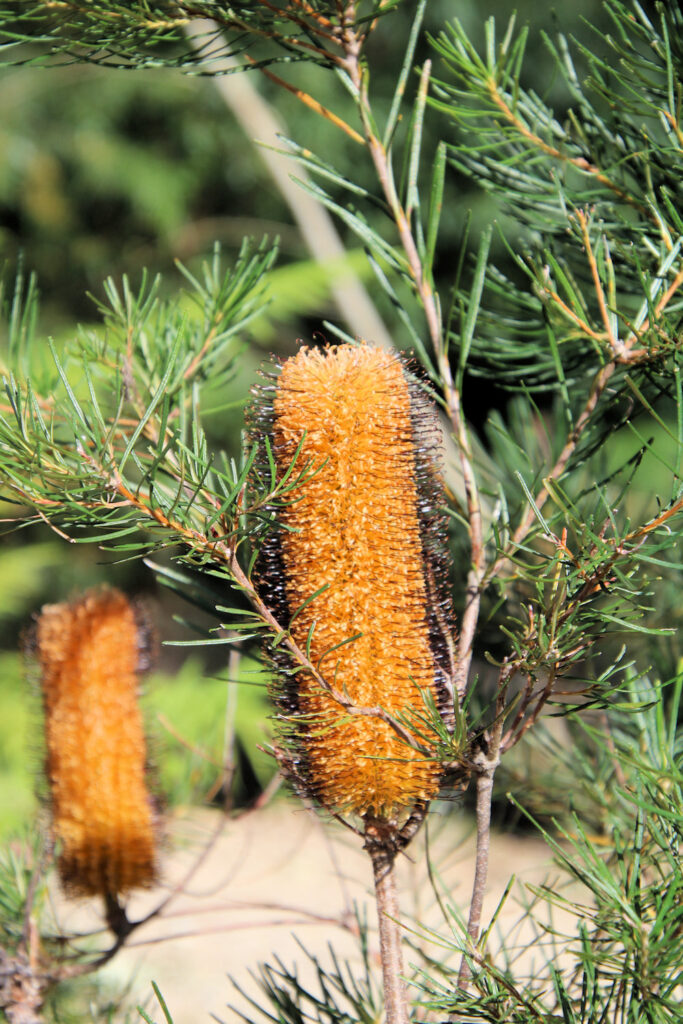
[107, 172]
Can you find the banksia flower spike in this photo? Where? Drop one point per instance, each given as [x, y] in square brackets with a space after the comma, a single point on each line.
[363, 534]
[354, 569]
[90, 654]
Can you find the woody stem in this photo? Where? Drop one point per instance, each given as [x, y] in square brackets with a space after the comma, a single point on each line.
[386, 895]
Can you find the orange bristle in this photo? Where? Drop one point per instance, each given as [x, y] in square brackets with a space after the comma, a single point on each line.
[355, 526]
[89, 655]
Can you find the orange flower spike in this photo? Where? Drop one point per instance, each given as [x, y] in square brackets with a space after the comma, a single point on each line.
[90, 654]
[365, 526]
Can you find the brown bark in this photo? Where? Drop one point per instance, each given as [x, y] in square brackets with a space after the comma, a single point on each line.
[21, 990]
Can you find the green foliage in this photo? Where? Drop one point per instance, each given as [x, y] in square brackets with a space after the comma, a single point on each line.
[158, 356]
[162, 1003]
[602, 179]
[569, 517]
[141, 176]
[151, 35]
[621, 888]
[17, 864]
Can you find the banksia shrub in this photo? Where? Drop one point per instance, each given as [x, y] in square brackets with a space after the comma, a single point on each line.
[363, 533]
[90, 654]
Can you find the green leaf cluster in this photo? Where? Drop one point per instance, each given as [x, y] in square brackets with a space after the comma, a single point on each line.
[620, 884]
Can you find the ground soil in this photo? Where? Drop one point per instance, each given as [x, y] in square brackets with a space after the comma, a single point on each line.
[274, 880]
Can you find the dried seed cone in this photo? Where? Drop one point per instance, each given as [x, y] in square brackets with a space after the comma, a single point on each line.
[89, 654]
[357, 527]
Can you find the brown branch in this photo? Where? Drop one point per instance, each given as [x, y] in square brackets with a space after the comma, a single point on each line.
[233, 22]
[653, 524]
[521, 723]
[485, 763]
[301, 22]
[316, 15]
[481, 870]
[310, 102]
[583, 325]
[658, 310]
[525, 700]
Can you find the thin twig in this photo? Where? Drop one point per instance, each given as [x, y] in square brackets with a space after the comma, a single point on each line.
[481, 870]
[485, 761]
[192, 933]
[310, 102]
[616, 345]
[191, 747]
[521, 724]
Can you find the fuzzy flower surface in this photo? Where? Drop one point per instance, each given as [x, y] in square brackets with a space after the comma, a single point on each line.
[362, 528]
[90, 653]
